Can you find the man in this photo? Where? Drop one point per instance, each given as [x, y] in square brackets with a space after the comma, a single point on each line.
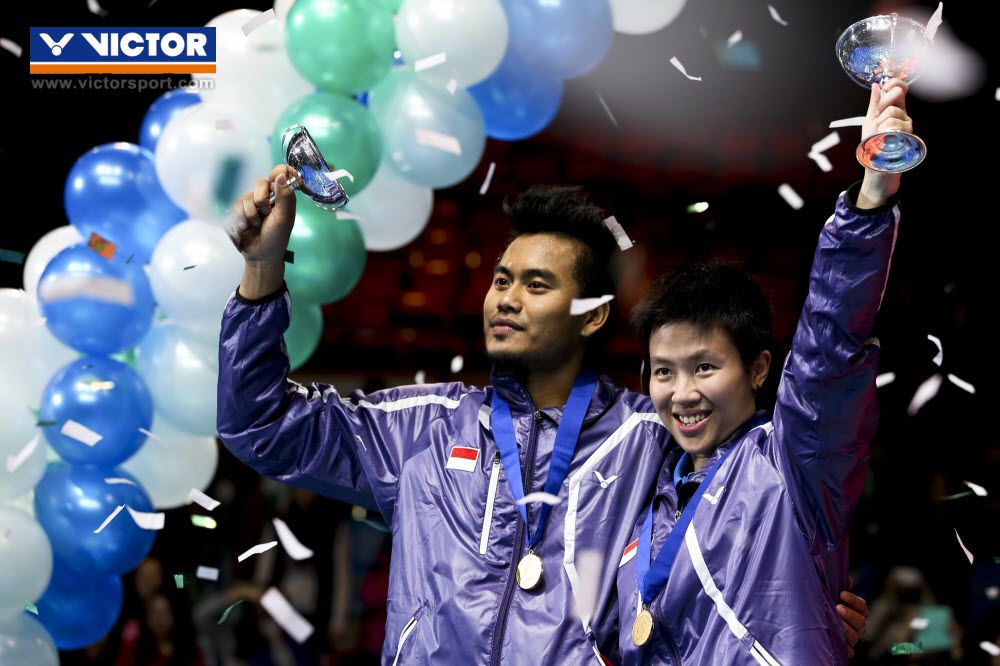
[475, 577]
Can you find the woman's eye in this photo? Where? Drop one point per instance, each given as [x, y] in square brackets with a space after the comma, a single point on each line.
[705, 367]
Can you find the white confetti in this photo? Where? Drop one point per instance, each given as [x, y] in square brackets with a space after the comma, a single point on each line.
[996, 95]
[344, 215]
[287, 617]
[443, 142]
[976, 488]
[15, 460]
[109, 518]
[257, 550]
[96, 8]
[677, 63]
[117, 480]
[790, 196]
[822, 161]
[579, 306]
[735, 37]
[203, 500]
[827, 142]
[776, 16]
[257, 21]
[934, 22]
[964, 549]
[940, 350]
[925, 392]
[990, 647]
[290, 542]
[624, 242]
[457, 363]
[919, 623]
[80, 432]
[452, 86]
[543, 497]
[589, 567]
[66, 287]
[420, 377]
[489, 178]
[207, 573]
[962, 384]
[885, 378]
[607, 110]
[430, 61]
[856, 121]
[337, 174]
[149, 434]
[992, 592]
[11, 46]
[147, 521]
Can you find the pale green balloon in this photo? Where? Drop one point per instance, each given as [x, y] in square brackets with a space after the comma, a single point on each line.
[304, 333]
[329, 255]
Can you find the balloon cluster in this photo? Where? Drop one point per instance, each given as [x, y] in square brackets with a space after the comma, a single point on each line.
[109, 353]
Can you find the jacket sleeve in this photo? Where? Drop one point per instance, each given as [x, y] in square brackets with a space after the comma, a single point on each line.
[827, 409]
[351, 449]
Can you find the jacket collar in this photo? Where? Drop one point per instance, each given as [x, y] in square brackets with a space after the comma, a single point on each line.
[521, 403]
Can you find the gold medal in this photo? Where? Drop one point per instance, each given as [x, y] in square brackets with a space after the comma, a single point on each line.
[529, 571]
[642, 628]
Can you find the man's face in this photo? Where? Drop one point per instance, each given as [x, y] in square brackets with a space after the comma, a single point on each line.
[699, 386]
[526, 312]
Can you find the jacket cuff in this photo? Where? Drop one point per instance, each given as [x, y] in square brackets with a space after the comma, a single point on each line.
[263, 299]
[851, 199]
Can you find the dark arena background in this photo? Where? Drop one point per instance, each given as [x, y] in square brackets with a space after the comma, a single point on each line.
[691, 170]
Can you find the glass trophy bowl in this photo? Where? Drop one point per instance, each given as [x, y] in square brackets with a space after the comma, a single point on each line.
[313, 176]
[874, 50]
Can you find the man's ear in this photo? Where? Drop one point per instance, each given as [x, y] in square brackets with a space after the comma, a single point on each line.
[595, 319]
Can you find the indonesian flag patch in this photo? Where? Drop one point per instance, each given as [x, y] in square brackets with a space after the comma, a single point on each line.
[463, 458]
[629, 553]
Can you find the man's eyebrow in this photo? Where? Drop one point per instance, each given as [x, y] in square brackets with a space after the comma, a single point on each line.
[502, 270]
[527, 274]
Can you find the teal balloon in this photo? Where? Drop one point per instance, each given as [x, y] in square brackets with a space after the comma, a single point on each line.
[345, 132]
[305, 331]
[343, 46]
[329, 255]
[392, 5]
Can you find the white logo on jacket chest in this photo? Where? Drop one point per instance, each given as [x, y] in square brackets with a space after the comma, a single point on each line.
[714, 499]
[605, 482]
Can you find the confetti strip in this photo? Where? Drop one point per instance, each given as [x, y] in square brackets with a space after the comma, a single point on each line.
[46, 424]
[207, 573]
[229, 610]
[776, 16]
[80, 433]
[150, 434]
[12, 46]
[822, 161]
[677, 63]
[202, 499]
[962, 384]
[735, 37]
[130, 258]
[443, 142]
[996, 95]
[489, 178]
[179, 581]
[109, 518]
[934, 22]
[884, 379]
[96, 8]
[257, 21]
[607, 110]
[420, 377]
[257, 550]
[147, 521]
[430, 61]
[790, 196]
[990, 648]
[956, 496]
[976, 488]
[66, 287]
[457, 363]
[697, 207]
[589, 567]
[925, 392]
[452, 86]
[15, 460]
[964, 549]
[856, 121]
[287, 617]
[940, 350]
[827, 142]
[906, 648]
[992, 592]
[289, 542]
[545, 498]
[30, 607]
[101, 246]
[624, 242]
[376, 525]
[919, 623]
[579, 306]
[114, 481]
[187, 268]
[203, 521]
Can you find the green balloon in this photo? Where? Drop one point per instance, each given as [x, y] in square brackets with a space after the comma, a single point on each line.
[392, 5]
[304, 333]
[345, 132]
[343, 46]
[329, 255]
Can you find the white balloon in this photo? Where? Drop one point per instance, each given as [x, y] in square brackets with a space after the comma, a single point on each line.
[44, 249]
[391, 210]
[25, 560]
[281, 9]
[471, 35]
[195, 150]
[29, 353]
[196, 296]
[181, 368]
[173, 462]
[25, 642]
[26, 502]
[641, 17]
[18, 436]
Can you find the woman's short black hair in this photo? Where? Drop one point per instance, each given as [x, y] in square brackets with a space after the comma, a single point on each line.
[709, 296]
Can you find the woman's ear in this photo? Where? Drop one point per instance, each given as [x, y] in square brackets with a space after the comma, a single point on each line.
[759, 369]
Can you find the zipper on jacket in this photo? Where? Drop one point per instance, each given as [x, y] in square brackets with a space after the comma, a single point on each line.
[491, 495]
[405, 634]
[518, 546]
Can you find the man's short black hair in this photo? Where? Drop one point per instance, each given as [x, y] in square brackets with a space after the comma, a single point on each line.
[565, 211]
[709, 296]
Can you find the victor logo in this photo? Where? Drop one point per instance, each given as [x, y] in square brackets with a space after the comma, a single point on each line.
[144, 50]
[57, 47]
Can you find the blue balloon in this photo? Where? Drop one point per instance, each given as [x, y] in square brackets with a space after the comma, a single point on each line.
[161, 111]
[79, 607]
[95, 305]
[113, 191]
[517, 101]
[72, 501]
[105, 396]
[565, 38]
